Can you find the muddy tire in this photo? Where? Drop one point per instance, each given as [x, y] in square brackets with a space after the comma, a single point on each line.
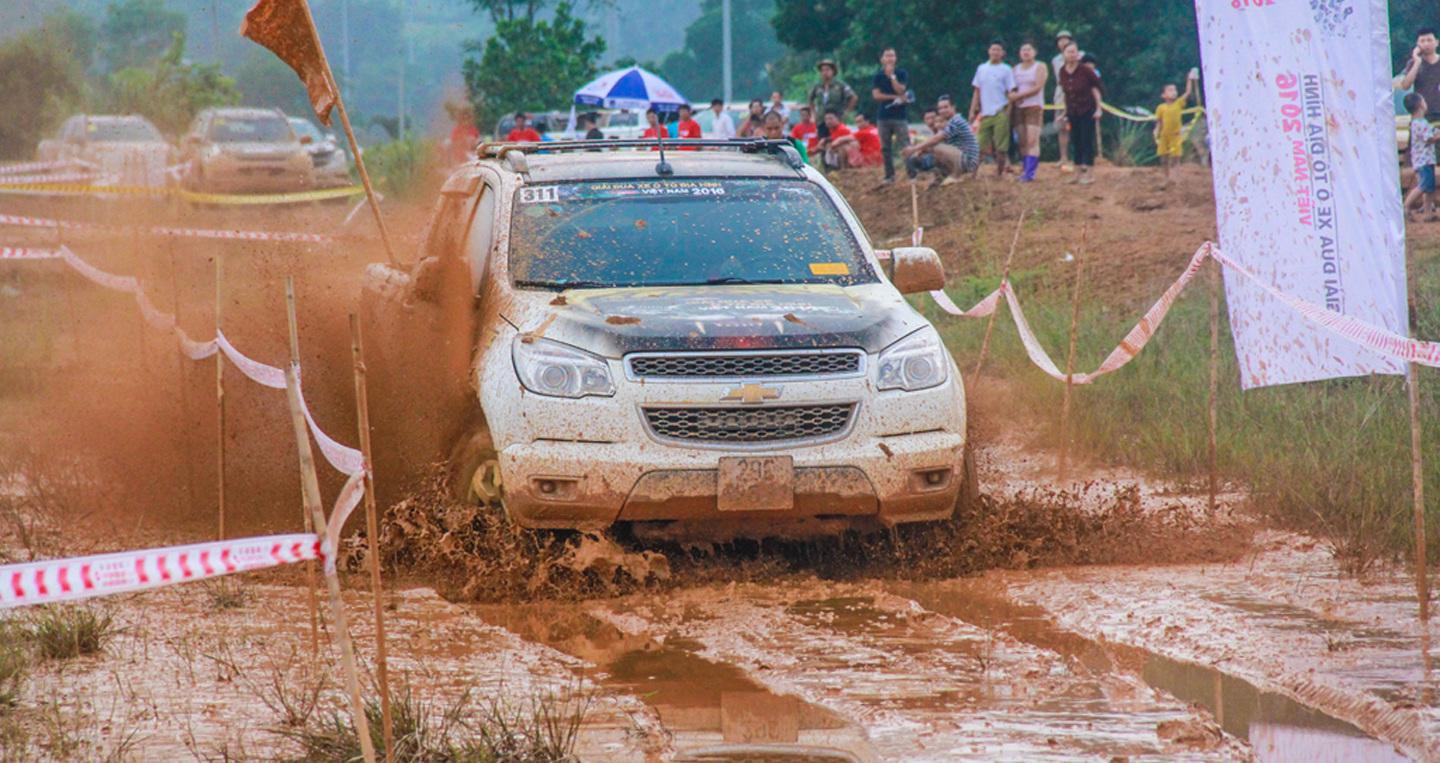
[472, 455]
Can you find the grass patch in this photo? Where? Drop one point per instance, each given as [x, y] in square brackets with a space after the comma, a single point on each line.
[64, 631]
[539, 729]
[1330, 458]
[224, 593]
[14, 664]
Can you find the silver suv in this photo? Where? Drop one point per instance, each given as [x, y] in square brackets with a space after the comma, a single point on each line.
[234, 150]
[708, 342]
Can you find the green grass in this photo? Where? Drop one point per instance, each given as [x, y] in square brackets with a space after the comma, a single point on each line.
[63, 631]
[14, 664]
[1330, 458]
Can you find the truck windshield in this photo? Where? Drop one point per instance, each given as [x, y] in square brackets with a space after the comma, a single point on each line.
[681, 233]
[251, 130]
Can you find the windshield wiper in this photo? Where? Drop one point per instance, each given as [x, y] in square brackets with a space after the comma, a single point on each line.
[739, 280]
[562, 285]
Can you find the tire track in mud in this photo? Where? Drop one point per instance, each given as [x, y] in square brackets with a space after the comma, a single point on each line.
[905, 683]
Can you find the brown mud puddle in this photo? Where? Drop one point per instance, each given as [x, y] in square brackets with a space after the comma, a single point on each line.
[1279, 729]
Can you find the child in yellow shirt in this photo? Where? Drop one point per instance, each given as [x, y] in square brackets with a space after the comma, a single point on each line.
[1168, 143]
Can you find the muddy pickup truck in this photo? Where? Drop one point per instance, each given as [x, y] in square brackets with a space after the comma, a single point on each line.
[701, 340]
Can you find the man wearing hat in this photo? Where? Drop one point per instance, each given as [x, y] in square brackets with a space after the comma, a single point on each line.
[831, 96]
[1062, 129]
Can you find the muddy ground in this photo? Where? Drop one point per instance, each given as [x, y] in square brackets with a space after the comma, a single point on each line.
[1111, 618]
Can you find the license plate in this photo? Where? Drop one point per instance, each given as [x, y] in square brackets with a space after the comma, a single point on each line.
[757, 483]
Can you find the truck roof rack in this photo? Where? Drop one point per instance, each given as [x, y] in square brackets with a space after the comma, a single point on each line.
[781, 149]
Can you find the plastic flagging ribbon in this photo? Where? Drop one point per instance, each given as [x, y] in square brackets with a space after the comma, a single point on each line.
[13, 253]
[346, 460]
[129, 571]
[18, 169]
[39, 222]
[269, 198]
[1364, 334]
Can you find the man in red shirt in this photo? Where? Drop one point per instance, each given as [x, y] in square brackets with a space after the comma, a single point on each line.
[805, 129]
[838, 143]
[521, 133]
[868, 138]
[687, 128]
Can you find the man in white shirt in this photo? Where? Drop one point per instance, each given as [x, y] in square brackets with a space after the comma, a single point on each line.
[724, 128]
[993, 80]
[777, 105]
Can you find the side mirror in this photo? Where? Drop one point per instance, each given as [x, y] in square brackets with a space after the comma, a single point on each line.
[306, 140]
[916, 269]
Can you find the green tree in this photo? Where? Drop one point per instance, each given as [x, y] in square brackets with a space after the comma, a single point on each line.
[73, 34]
[136, 32]
[696, 69]
[821, 26]
[42, 84]
[530, 65]
[171, 91]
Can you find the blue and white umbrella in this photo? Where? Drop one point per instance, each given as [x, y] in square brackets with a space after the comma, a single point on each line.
[632, 88]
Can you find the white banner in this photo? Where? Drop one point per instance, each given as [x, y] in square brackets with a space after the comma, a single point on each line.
[1302, 135]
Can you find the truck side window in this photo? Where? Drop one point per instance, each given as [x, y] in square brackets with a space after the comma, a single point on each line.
[482, 237]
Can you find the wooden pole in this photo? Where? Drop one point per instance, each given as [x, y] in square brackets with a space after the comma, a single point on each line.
[372, 530]
[311, 486]
[914, 207]
[220, 393]
[1070, 361]
[350, 135]
[1422, 580]
[306, 514]
[1004, 278]
[1214, 379]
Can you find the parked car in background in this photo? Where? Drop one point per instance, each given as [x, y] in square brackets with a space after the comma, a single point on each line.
[330, 162]
[235, 150]
[124, 150]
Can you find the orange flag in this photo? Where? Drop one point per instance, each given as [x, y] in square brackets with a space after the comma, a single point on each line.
[285, 27]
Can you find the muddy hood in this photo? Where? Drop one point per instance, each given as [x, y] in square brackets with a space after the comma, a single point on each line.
[612, 322]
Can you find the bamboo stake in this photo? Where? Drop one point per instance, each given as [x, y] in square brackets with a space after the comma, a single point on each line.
[350, 135]
[1422, 580]
[311, 485]
[914, 207]
[1070, 361]
[1004, 278]
[220, 391]
[1214, 379]
[377, 589]
[310, 521]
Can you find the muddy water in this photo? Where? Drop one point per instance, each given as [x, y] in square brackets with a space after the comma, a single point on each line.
[923, 673]
[1278, 728]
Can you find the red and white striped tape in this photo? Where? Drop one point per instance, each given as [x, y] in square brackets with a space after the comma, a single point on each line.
[129, 571]
[60, 177]
[17, 169]
[242, 235]
[15, 253]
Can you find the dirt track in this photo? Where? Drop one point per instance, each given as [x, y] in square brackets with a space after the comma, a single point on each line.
[1061, 664]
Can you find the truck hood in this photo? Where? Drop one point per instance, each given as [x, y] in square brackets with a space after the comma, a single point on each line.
[613, 322]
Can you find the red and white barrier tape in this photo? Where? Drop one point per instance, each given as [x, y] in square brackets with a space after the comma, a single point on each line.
[1378, 339]
[16, 169]
[62, 177]
[36, 222]
[14, 253]
[129, 571]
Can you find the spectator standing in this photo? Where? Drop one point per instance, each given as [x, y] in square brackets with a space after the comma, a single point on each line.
[777, 105]
[1028, 106]
[992, 84]
[954, 146]
[687, 128]
[831, 96]
[837, 143]
[1062, 125]
[724, 126]
[591, 123]
[1083, 91]
[868, 139]
[1423, 138]
[754, 124]
[775, 130]
[890, 90]
[465, 136]
[1169, 118]
[521, 133]
[805, 129]
[1423, 73]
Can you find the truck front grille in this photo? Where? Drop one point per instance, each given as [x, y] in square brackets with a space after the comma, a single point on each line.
[745, 426]
[745, 364]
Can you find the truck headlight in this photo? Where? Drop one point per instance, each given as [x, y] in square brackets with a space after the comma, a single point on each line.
[547, 367]
[916, 362]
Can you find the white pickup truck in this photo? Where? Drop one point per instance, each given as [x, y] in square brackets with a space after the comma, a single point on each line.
[701, 340]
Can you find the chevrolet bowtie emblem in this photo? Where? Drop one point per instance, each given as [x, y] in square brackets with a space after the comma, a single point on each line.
[752, 394]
